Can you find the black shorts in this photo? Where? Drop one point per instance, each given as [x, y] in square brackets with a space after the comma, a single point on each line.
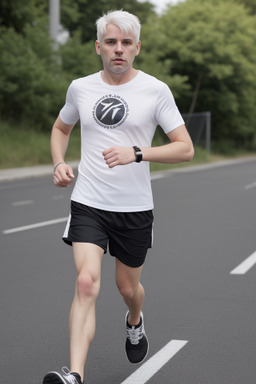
[128, 235]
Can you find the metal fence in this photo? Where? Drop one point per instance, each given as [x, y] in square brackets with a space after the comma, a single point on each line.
[199, 128]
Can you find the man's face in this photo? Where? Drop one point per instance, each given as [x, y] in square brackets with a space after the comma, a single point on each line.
[117, 50]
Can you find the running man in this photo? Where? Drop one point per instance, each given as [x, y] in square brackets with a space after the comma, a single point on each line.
[119, 109]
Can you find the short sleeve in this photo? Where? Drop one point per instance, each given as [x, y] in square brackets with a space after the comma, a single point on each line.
[69, 114]
[167, 113]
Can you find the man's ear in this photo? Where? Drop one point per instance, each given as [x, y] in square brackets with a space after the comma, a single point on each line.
[97, 47]
[138, 46]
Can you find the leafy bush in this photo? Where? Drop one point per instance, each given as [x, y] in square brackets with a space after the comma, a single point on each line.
[31, 90]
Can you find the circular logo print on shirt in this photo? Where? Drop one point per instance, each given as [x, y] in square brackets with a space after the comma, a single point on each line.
[110, 111]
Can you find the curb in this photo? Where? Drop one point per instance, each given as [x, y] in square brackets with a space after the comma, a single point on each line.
[46, 170]
[28, 172]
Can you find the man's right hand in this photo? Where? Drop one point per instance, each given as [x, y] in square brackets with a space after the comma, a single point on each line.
[63, 176]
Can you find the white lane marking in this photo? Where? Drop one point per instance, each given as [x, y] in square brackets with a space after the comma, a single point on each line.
[36, 225]
[249, 186]
[24, 202]
[155, 363]
[245, 266]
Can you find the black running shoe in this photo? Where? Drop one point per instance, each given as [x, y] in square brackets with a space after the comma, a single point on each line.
[136, 345]
[65, 377]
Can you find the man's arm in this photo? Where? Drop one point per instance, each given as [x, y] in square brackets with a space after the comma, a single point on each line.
[63, 174]
[180, 149]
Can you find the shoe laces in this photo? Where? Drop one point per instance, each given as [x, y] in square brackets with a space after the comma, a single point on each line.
[68, 376]
[135, 334]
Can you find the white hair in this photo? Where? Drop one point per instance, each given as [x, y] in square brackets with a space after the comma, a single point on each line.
[126, 21]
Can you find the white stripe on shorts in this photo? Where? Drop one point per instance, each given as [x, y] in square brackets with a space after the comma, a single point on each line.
[65, 234]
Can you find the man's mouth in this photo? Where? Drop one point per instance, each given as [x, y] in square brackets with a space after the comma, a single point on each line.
[118, 60]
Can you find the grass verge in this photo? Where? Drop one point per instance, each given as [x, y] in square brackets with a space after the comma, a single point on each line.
[21, 147]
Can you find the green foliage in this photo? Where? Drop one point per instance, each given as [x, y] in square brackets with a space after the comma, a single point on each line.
[23, 146]
[212, 43]
[249, 4]
[20, 146]
[79, 59]
[82, 14]
[17, 14]
[34, 78]
[205, 50]
[30, 88]
[152, 60]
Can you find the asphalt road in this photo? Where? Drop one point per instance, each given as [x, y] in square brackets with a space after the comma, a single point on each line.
[204, 228]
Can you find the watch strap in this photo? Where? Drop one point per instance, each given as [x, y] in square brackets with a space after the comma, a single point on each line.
[138, 153]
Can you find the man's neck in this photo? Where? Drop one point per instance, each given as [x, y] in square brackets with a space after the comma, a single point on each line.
[120, 78]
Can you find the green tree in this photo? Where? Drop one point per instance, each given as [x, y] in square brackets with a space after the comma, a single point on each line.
[79, 59]
[82, 14]
[17, 14]
[29, 78]
[33, 78]
[153, 58]
[30, 85]
[212, 43]
[250, 5]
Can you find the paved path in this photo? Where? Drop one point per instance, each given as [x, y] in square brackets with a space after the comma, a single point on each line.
[199, 314]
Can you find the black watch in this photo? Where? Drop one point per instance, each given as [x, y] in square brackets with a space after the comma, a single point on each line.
[138, 154]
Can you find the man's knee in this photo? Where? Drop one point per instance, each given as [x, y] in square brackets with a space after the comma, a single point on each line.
[126, 290]
[87, 285]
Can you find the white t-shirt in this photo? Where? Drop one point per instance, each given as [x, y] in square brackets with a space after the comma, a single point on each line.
[123, 115]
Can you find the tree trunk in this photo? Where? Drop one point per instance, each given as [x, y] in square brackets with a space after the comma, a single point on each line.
[196, 92]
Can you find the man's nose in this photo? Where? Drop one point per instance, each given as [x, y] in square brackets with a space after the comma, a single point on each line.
[119, 47]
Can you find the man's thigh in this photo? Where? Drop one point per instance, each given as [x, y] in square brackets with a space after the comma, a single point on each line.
[88, 257]
[127, 276]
